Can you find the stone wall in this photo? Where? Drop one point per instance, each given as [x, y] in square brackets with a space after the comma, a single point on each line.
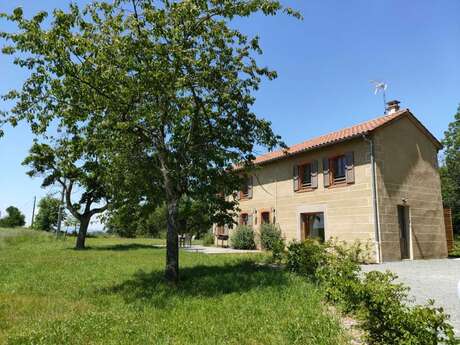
[408, 175]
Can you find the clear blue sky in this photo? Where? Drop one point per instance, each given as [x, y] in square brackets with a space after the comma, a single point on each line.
[324, 63]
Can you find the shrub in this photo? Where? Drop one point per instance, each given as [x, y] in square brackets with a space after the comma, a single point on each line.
[306, 257]
[270, 236]
[208, 239]
[243, 238]
[375, 298]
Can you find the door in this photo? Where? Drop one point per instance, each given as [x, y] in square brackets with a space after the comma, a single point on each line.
[404, 234]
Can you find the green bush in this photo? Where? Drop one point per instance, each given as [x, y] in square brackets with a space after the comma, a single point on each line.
[208, 239]
[270, 236]
[243, 238]
[374, 298]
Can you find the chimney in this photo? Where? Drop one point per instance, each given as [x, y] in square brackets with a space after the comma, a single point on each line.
[392, 107]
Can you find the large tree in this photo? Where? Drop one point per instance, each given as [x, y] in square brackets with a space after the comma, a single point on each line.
[450, 171]
[167, 89]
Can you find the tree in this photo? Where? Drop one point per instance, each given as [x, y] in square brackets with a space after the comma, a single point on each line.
[450, 171]
[164, 87]
[47, 216]
[13, 219]
[70, 165]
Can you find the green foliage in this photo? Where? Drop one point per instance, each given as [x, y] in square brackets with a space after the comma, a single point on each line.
[47, 216]
[115, 293]
[243, 237]
[270, 236]
[13, 218]
[380, 303]
[208, 239]
[450, 171]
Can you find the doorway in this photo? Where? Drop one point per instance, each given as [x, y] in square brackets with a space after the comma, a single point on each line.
[312, 226]
[404, 231]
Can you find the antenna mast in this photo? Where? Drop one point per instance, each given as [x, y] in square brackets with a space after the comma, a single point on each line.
[381, 86]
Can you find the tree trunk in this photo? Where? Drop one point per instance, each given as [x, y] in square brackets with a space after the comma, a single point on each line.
[81, 237]
[172, 244]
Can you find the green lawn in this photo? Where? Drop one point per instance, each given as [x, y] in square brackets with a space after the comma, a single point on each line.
[113, 293]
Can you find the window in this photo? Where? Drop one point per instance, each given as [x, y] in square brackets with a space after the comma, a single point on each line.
[338, 167]
[244, 218]
[246, 190]
[312, 226]
[265, 217]
[305, 176]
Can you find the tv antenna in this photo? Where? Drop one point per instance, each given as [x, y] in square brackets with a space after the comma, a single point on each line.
[381, 86]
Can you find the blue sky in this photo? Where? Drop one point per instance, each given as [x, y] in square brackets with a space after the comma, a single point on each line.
[324, 62]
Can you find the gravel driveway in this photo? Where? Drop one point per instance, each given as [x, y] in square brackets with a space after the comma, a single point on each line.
[435, 279]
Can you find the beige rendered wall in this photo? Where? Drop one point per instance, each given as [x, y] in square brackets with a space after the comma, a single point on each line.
[407, 175]
[348, 209]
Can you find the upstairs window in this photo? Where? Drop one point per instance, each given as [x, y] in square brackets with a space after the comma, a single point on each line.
[339, 167]
[246, 190]
[305, 176]
[339, 170]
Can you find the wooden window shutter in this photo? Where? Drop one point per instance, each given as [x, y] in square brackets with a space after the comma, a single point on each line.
[295, 178]
[350, 166]
[326, 178]
[250, 219]
[250, 183]
[314, 174]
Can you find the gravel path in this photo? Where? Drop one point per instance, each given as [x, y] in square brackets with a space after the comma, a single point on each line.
[435, 279]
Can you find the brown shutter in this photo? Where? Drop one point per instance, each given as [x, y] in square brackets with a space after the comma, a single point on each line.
[295, 178]
[350, 167]
[314, 174]
[326, 172]
[250, 187]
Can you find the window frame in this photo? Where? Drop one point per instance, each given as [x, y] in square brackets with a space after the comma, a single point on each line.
[333, 181]
[301, 186]
[244, 194]
[244, 215]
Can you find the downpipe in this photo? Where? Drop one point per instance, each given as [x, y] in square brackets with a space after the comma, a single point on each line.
[378, 246]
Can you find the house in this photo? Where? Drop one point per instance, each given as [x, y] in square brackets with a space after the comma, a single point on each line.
[376, 182]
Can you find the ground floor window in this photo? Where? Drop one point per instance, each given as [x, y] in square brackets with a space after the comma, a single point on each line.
[265, 217]
[312, 226]
[244, 217]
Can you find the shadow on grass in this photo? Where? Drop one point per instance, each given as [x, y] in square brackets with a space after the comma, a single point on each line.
[198, 281]
[125, 247]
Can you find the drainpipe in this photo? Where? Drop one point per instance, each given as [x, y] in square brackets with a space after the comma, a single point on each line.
[374, 199]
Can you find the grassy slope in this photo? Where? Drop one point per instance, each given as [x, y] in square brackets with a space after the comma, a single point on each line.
[113, 294]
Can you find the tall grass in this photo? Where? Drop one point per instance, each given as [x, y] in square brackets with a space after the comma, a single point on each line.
[114, 293]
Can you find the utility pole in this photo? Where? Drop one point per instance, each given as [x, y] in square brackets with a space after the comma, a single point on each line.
[33, 213]
[61, 206]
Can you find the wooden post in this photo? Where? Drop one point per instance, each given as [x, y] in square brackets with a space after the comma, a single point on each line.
[449, 229]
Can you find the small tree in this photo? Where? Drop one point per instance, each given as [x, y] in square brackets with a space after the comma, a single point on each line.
[47, 216]
[13, 219]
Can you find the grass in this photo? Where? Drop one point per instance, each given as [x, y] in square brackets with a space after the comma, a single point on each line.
[113, 293]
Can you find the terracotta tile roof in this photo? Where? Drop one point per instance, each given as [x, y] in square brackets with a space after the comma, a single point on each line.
[333, 137]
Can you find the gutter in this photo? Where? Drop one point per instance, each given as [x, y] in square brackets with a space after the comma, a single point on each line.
[378, 245]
